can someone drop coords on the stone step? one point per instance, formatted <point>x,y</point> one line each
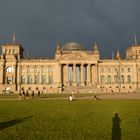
<point>82,89</point>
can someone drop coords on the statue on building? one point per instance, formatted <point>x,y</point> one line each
<point>95,48</point>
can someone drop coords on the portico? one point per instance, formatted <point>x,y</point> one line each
<point>77,74</point>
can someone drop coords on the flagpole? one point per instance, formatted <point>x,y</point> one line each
<point>119,76</point>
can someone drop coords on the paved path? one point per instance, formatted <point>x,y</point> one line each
<point>100,96</point>
<point>120,96</point>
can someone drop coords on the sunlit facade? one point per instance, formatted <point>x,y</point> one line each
<point>73,67</point>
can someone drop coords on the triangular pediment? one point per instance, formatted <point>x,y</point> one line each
<point>78,56</point>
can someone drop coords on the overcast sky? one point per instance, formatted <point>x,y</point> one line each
<point>39,24</point>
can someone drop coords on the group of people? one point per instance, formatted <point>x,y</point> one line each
<point>72,96</point>
<point>28,94</point>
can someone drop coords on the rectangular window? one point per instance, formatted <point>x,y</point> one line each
<point>45,68</point>
<point>23,69</point>
<point>30,69</point>
<point>102,78</point>
<point>23,79</point>
<point>102,70</point>
<point>109,79</point>
<point>37,69</point>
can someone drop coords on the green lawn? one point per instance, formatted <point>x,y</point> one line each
<point>64,120</point>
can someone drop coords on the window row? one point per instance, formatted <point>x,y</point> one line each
<point>37,79</point>
<point>37,69</point>
<point>9,69</point>
<point>137,51</point>
<point>115,79</point>
<point>10,51</point>
<point>116,70</point>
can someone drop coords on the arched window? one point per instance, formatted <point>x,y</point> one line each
<point>9,69</point>
<point>51,68</point>
<point>128,69</point>
<point>37,79</point>
<point>50,79</point>
<point>30,81</point>
<point>30,69</point>
<point>43,79</point>
<point>122,79</point>
<point>102,78</point>
<point>109,79</point>
<point>10,51</point>
<point>23,79</point>
<point>128,78</point>
<point>122,69</point>
<point>115,79</point>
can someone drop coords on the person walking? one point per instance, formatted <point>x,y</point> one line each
<point>27,95</point>
<point>38,92</point>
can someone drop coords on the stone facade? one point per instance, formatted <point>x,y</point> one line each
<point>72,68</point>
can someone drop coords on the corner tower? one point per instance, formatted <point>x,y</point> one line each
<point>12,50</point>
<point>10,59</point>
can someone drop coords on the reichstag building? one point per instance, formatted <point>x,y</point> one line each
<point>72,68</point>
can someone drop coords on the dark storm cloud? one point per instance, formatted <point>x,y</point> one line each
<point>39,24</point>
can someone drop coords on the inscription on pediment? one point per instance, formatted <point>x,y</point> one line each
<point>78,56</point>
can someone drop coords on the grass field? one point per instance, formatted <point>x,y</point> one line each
<point>64,120</point>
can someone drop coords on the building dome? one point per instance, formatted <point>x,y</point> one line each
<point>72,46</point>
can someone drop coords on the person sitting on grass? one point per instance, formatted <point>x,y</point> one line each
<point>96,98</point>
<point>70,98</point>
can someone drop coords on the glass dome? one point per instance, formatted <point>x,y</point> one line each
<point>72,46</point>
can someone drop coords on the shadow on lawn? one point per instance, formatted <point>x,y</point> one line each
<point>116,129</point>
<point>13,122</point>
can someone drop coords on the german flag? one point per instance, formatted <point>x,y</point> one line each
<point>119,57</point>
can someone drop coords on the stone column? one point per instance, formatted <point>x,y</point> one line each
<point>66,74</point>
<point>82,74</point>
<point>89,74</point>
<point>74,74</point>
